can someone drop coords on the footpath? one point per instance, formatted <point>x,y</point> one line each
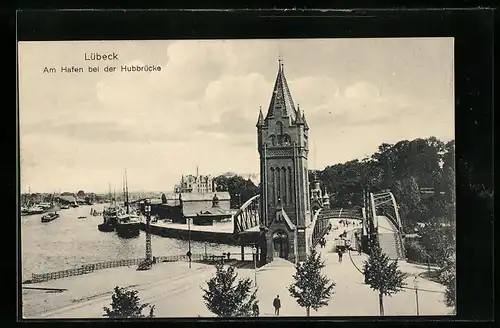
<point>351,296</point>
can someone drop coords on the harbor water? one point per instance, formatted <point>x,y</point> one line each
<point>70,242</point>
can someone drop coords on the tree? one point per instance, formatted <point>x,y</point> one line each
<point>238,188</point>
<point>447,277</point>
<point>311,289</point>
<point>383,275</point>
<point>438,240</point>
<point>125,304</point>
<point>225,298</point>
<point>81,194</point>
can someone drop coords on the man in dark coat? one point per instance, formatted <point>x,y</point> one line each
<point>277,305</point>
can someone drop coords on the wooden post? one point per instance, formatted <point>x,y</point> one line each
<point>242,252</point>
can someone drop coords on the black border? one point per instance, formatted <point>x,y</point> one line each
<point>473,33</point>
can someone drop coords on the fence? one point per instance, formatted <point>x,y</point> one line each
<point>89,268</point>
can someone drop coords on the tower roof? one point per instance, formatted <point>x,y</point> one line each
<point>282,96</point>
<point>306,126</point>
<point>260,121</point>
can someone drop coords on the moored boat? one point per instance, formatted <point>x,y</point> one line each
<point>35,210</point>
<point>49,217</point>
<point>110,214</point>
<point>128,226</point>
<point>128,223</point>
<point>45,206</point>
<point>104,227</point>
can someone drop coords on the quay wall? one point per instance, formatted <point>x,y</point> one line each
<point>89,268</point>
<point>196,235</point>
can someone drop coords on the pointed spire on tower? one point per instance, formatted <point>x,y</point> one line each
<point>281,97</point>
<point>300,118</point>
<point>306,126</point>
<point>260,121</point>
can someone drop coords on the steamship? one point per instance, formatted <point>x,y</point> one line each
<point>128,223</point>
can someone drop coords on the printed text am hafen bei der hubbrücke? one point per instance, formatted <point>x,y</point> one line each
<point>94,56</point>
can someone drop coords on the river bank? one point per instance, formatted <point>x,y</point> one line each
<point>69,242</point>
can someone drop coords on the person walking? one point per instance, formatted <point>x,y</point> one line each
<point>340,252</point>
<point>277,305</point>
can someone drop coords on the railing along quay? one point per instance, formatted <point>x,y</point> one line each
<point>89,268</point>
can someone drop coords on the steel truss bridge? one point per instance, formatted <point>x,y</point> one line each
<point>379,214</point>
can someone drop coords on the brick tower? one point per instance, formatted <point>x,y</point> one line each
<point>283,149</point>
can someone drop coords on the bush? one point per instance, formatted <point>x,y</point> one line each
<point>415,252</point>
<point>125,304</point>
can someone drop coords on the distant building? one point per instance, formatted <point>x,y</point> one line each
<point>196,184</point>
<point>215,213</point>
<point>430,192</point>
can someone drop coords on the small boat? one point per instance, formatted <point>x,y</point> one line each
<point>82,217</point>
<point>49,217</point>
<point>128,226</point>
<point>35,210</point>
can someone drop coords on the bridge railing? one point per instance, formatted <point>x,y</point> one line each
<point>385,202</point>
<point>89,268</point>
<point>319,228</point>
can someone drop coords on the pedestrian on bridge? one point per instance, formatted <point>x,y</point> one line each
<point>340,251</point>
<point>277,305</point>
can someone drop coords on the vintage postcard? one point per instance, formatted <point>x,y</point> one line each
<point>237,178</point>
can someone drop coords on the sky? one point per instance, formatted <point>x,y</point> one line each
<point>80,131</point>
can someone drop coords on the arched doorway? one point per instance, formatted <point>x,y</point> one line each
<point>280,243</point>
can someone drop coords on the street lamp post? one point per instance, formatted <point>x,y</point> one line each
<point>239,199</point>
<point>189,242</point>
<point>149,252</point>
<point>254,252</point>
<point>415,281</point>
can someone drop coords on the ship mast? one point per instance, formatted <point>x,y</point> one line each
<point>109,193</point>
<point>126,192</point>
<point>123,189</point>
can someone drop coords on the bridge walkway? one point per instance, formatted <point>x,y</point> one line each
<point>388,236</point>
<point>354,298</point>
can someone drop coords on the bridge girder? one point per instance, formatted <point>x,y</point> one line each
<point>247,216</point>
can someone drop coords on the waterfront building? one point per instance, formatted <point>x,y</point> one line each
<point>215,213</point>
<point>179,206</point>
